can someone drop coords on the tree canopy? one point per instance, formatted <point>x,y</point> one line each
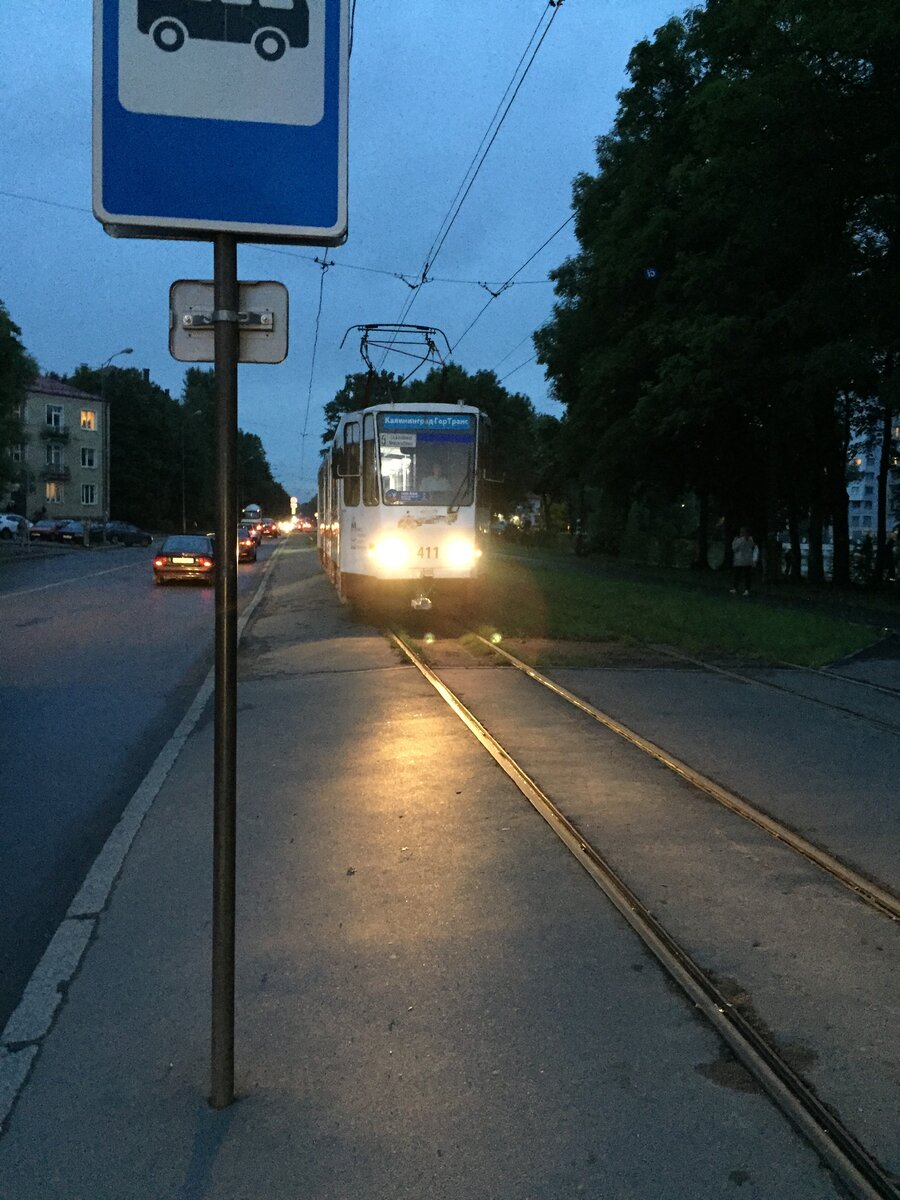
<point>733,310</point>
<point>17,370</point>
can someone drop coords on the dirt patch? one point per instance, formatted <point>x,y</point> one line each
<point>543,652</point>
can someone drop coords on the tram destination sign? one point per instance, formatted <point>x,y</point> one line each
<point>222,116</point>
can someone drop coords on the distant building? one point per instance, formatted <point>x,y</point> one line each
<point>862,488</point>
<point>62,460</point>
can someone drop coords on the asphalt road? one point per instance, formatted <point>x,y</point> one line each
<point>96,669</point>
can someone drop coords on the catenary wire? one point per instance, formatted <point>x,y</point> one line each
<point>509,282</point>
<point>518,368</point>
<point>510,353</point>
<point>312,366</point>
<point>431,249</point>
<point>440,239</point>
<point>288,253</point>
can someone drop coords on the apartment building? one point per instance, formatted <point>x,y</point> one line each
<point>862,488</point>
<point>63,459</point>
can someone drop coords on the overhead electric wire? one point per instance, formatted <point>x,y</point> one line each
<point>509,282</point>
<point>310,258</point>
<point>403,275</point>
<point>556,8</point>
<point>531,358</point>
<point>510,353</point>
<point>471,175</point>
<point>312,366</point>
<point>430,254</point>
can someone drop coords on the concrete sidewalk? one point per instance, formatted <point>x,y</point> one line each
<point>433,1000</point>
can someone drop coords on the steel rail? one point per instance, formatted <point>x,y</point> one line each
<point>867,890</point>
<point>858,1170</point>
<point>829,673</point>
<point>888,726</point>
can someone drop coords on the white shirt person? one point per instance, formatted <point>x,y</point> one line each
<point>434,481</point>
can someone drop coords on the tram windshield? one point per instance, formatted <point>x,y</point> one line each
<point>427,458</point>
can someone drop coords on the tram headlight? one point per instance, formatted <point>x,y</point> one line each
<point>461,554</point>
<point>391,553</point>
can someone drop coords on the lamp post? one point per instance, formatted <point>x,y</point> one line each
<point>185,413</point>
<point>106,434</point>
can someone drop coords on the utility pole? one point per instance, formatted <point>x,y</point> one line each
<point>107,427</point>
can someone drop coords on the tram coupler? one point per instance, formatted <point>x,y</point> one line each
<point>421,603</point>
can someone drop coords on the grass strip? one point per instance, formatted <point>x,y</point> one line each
<point>535,600</point>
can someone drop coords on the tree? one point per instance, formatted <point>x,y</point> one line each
<point>17,371</point>
<point>359,391</point>
<point>255,482</point>
<point>144,449</point>
<point>737,277</point>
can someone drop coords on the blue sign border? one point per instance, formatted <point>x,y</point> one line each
<point>163,176</point>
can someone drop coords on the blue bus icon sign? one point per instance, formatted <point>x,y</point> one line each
<point>222,116</point>
<point>269,26</point>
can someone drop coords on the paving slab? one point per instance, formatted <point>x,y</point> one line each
<point>433,1000</point>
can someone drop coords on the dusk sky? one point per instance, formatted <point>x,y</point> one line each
<point>425,80</point>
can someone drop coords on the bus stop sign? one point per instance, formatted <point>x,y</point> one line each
<point>222,116</point>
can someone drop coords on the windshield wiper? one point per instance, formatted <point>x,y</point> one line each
<point>454,504</point>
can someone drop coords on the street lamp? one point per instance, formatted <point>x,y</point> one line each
<point>106,432</point>
<point>185,413</point>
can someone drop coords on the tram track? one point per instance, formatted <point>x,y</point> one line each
<point>892,727</point>
<point>836,1144</point>
<point>867,890</point>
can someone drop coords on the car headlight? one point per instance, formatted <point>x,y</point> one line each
<point>391,553</point>
<point>460,554</point>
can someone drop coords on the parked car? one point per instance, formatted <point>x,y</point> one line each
<point>185,556</point>
<point>13,526</point>
<point>247,545</point>
<point>121,532</point>
<point>73,532</point>
<point>45,530</point>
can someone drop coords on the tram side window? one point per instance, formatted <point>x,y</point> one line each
<point>351,464</point>
<point>369,464</point>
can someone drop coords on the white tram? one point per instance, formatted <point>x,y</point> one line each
<point>403,504</point>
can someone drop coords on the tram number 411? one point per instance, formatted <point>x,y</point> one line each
<point>427,552</point>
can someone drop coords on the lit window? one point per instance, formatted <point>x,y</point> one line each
<point>89,493</point>
<point>87,456</point>
<point>88,419</point>
<point>53,492</point>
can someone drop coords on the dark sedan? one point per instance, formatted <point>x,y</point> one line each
<point>125,534</point>
<point>185,556</point>
<point>78,532</point>
<point>45,530</point>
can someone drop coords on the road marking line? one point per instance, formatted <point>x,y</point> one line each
<point>62,582</point>
<point>33,1017</point>
<point>14,1068</point>
<point>43,995</point>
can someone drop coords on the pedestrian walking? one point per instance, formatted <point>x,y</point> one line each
<point>743,555</point>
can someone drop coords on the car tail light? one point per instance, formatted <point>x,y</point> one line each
<point>159,562</point>
<point>206,563</point>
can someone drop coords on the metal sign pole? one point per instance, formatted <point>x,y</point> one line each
<point>225,317</point>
